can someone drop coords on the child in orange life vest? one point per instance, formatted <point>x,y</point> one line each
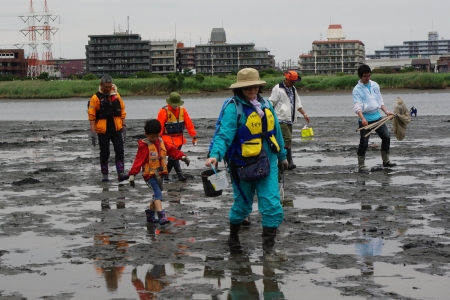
<point>150,157</point>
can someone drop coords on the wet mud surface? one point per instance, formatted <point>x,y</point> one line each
<point>383,235</point>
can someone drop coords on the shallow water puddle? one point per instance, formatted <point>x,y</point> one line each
<point>408,282</point>
<point>45,154</point>
<point>402,180</point>
<point>421,227</point>
<point>319,160</point>
<point>326,203</point>
<point>317,283</point>
<point>317,183</point>
<point>366,246</point>
<point>30,248</point>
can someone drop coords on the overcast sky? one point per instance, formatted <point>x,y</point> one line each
<point>286,28</point>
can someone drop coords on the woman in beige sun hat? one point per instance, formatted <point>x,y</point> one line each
<point>249,128</point>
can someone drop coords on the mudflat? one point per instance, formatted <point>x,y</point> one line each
<point>382,235</point>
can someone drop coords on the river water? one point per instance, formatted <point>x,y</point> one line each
<point>143,108</point>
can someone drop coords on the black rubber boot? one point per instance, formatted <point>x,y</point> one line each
<point>291,164</point>
<point>176,166</point>
<point>169,166</point>
<point>246,222</point>
<point>268,236</point>
<point>105,172</point>
<point>233,239</point>
<point>386,161</point>
<point>120,171</point>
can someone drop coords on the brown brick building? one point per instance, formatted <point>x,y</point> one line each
<point>13,62</point>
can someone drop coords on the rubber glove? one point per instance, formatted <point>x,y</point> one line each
<point>283,165</point>
<point>124,133</point>
<point>131,180</point>
<point>94,138</point>
<point>186,160</point>
<point>194,140</point>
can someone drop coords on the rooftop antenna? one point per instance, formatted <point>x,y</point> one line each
<point>128,24</point>
<point>114,22</point>
<point>175,31</point>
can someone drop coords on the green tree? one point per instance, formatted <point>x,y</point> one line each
<point>43,76</point>
<point>180,80</point>
<point>187,72</point>
<point>7,78</point>
<point>199,77</point>
<point>90,76</point>
<point>143,74</point>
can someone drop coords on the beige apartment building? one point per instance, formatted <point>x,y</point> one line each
<point>335,55</point>
<point>218,57</point>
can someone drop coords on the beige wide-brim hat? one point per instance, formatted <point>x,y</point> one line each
<point>247,77</point>
<point>174,99</point>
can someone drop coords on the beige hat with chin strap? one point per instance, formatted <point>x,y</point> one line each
<point>247,77</point>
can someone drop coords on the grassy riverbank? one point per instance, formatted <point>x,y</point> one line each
<point>36,89</point>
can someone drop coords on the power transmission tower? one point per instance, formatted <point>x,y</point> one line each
<point>36,66</point>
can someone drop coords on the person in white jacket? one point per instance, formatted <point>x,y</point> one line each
<point>287,104</point>
<point>367,101</point>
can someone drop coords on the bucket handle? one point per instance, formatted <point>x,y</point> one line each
<point>214,169</point>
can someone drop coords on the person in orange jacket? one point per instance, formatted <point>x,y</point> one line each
<point>174,118</point>
<point>151,159</point>
<point>106,112</point>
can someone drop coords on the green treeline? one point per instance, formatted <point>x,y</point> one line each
<point>38,89</point>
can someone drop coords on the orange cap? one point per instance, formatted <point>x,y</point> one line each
<point>292,76</point>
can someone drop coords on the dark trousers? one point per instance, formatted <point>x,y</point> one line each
<point>103,141</point>
<point>382,132</point>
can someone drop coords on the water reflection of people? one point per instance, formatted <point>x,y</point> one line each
<point>153,282</point>
<point>112,275</point>
<point>243,289</point>
<point>368,249</point>
<point>271,288</point>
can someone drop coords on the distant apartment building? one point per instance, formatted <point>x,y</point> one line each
<point>431,48</point>
<point>218,57</point>
<point>335,55</point>
<point>163,56</point>
<point>185,57</point>
<point>120,53</point>
<point>66,67</point>
<point>13,62</point>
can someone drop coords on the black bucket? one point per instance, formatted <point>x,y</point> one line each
<point>207,186</point>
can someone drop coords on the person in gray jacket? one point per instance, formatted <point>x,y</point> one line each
<point>287,104</point>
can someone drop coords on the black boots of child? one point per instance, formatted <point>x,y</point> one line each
<point>175,164</point>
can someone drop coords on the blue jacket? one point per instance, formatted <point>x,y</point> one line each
<point>227,130</point>
<point>368,100</point>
